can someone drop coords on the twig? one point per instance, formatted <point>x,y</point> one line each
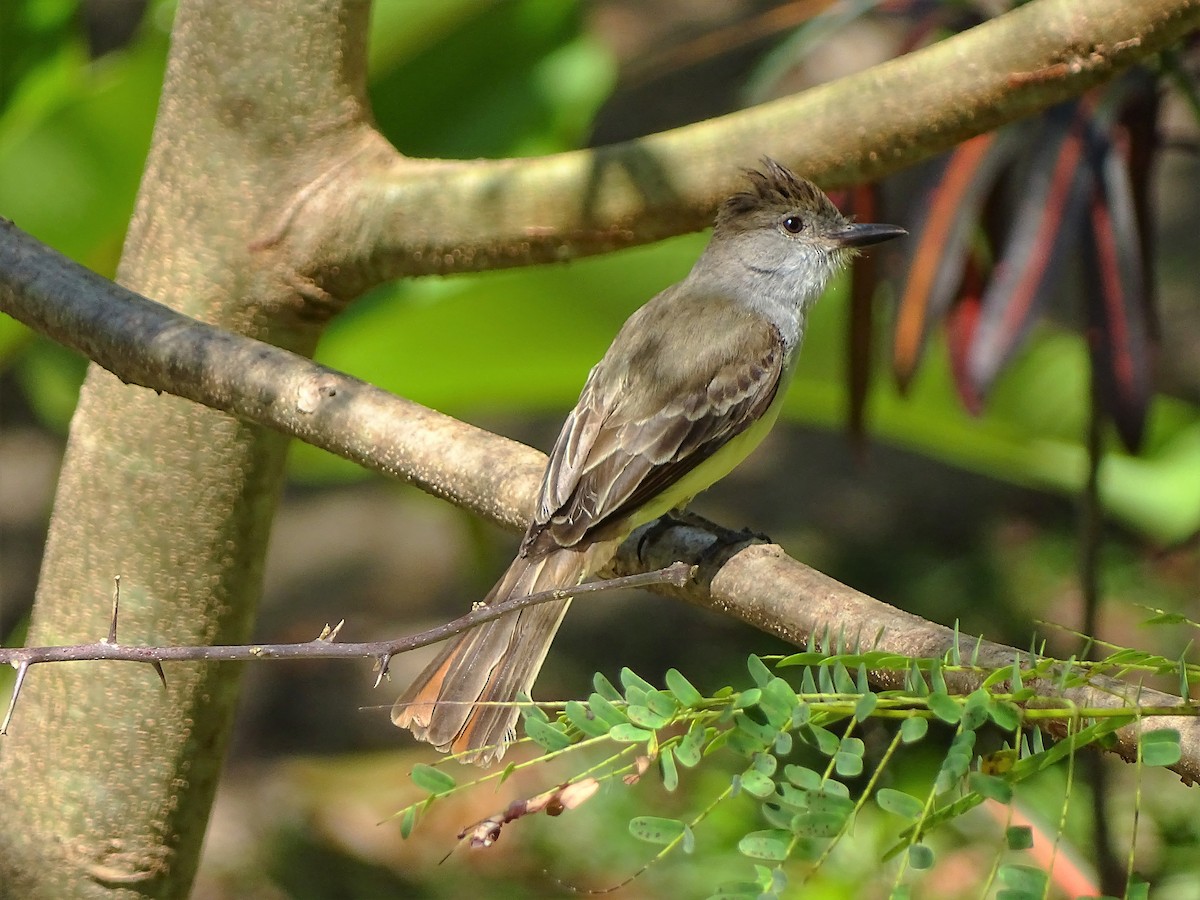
<point>323,646</point>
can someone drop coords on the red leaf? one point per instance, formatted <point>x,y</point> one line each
<point>939,257</point>
<point>1053,199</point>
<point>1117,326</point>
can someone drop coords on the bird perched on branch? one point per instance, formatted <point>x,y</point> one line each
<point>691,384</point>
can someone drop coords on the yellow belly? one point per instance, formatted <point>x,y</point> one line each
<point>712,469</point>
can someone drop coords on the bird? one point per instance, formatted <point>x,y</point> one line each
<point>691,383</point>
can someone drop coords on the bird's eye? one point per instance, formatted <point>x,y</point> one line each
<point>793,224</point>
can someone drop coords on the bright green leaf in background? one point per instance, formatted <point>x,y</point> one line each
<point>465,78</point>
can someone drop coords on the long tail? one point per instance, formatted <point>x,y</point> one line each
<point>464,701</point>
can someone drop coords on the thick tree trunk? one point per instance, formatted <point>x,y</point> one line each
<point>107,781</point>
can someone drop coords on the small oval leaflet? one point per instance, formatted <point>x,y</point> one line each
<point>670,774</point>
<point>656,830</point>
<point>912,730</point>
<point>757,784</point>
<point>1160,747</point>
<point>945,708</point>
<point>685,692</point>
<point>898,803</point>
<point>547,735</point>
<point>770,844</point>
<point>646,717</point>
<point>427,778</point>
<point>629,734</point>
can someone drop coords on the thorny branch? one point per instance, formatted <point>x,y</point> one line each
<point>324,646</point>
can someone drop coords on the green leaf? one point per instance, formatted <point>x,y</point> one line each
<point>408,821</point>
<point>605,711</point>
<point>629,734</point>
<point>913,729</point>
<point>791,798</point>
<point>530,710</point>
<point>817,825</point>
<point>647,718</point>
<point>747,698</point>
<point>899,803</point>
<point>663,703</point>
<point>801,714</point>
<point>656,830</point>
<point>635,696</point>
<point>842,680</point>
<point>865,706</point>
<point>1037,741</point>
<point>436,781</point>
<point>605,689</point>
<point>1160,747</point>
<point>920,856</point>
<point>854,746</point>
<point>765,763</point>
<point>770,844</point>
<point>744,743</point>
<point>975,710</point>
<point>777,816</point>
<point>670,774</point>
<point>631,679</point>
<point>821,738</point>
<point>991,787</point>
<point>825,681</point>
<point>944,708</point>
<point>1018,837</point>
<point>937,681</point>
<point>831,792</point>
<point>1006,715</point>
<point>757,784</point>
<point>758,670</point>
<point>685,692</point>
<point>689,749</point>
<point>778,702</point>
<point>847,765</point>
<point>861,682</point>
<point>801,659</point>
<point>829,799</point>
<point>1167,619</point>
<point>802,777</point>
<point>547,735</point>
<point>1025,879</point>
<point>737,890</point>
<point>764,734</point>
<point>579,716</point>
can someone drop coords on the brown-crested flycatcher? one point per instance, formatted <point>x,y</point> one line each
<point>692,383</point>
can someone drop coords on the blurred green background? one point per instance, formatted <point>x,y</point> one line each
<point>952,517</point>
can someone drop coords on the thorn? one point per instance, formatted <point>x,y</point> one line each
<point>12,704</point>
<point>328,634</point>
<point>382,664</point>
<point>112,625</point>
<point>162,676</point>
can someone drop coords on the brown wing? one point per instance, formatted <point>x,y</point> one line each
<point>644,420</point>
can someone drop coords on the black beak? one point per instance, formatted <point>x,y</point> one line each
<point>857,234</point>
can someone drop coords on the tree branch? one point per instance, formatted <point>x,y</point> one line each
<point>396,216</point>
<point>324,646</point>
<point>147,344</point>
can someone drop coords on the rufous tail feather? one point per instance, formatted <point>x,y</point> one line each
<point>494,662</point>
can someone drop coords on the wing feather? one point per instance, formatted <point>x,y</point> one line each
<point>644,422</point>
